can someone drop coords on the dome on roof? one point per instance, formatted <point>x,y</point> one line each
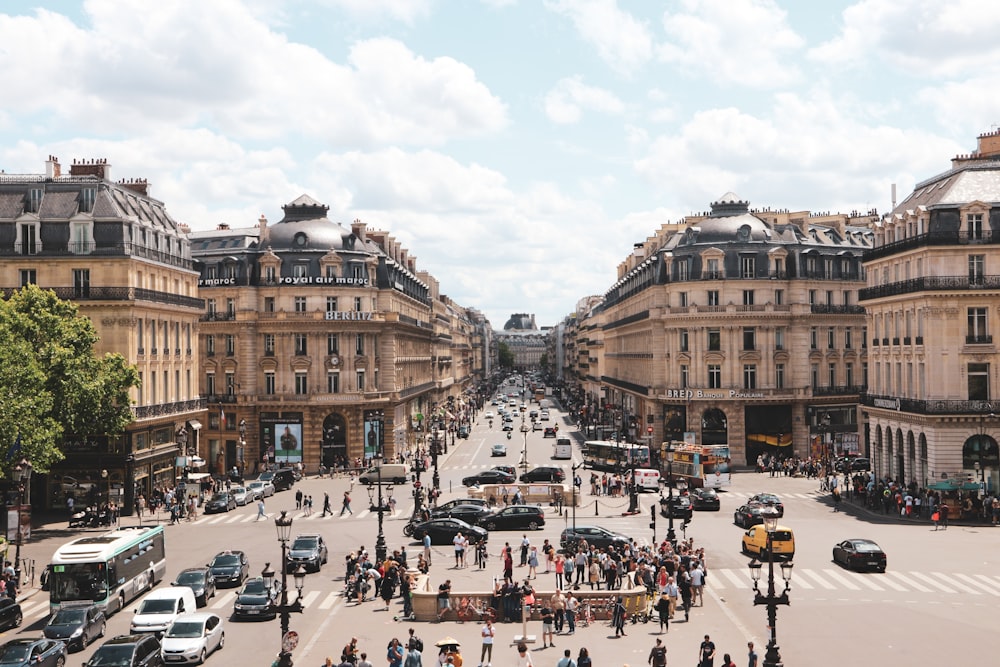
<point>306,227</point>
<point>729,221</point>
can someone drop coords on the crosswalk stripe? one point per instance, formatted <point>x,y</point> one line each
<point>994,580</point>
<point>363,513</point>
<point>983,577</point>
<point>234,519</point>
<point>932,582</point>
<point>802,583</point>
<point>843,581</point>
<point>224,600</point>
<point>864,580</point>
<point>35,608</point>
<point>957,584</point>
<point>309,598</point>
<point>329,601</point>
<point>819,580</point>
<point>966,578</point>
<point>909,582</point>
<point>887,581</point>
<point>738,582</point>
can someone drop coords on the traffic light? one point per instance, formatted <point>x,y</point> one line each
<point>652,515</point>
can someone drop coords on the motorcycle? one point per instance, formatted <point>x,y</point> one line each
<point>508,435</point>
<point>90,518</point>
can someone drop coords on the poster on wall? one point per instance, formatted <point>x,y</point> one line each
<point>281,437</point>
<point>373,438</point>
<point>288,449</point>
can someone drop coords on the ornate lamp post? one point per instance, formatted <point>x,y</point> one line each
<point>435,451</point>
<point>524,451</point>
<point>671,535</point>
<point>289,639</point>
<point>380,548</point>
<point>772,658</point>
<point>22,475</point>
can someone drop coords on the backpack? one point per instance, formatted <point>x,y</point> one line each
<point>417,643</point>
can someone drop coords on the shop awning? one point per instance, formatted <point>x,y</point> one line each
<point>953,485</point>
<point>194,423</point>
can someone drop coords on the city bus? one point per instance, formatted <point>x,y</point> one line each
<point>609,455</point>
<point>109,570</point>
<point>698,465</point>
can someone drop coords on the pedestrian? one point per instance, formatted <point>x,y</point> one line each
<point>394,654</point>
<point>140,505</point>
<point>427,548</point>
<point>488,632</point>
<point>618,617</point>
<point>413,658</point>
<point>706,653</point>
<point>260,510</point>
<point>533,563</point>
<point>558,603</point>
<point>751,655</point>
<point>658,654</point>
<point>459,543</point>
<point>583,658</point>
<point>298,499</point>
<point>727,661</point>
<point>523,656</point>
<point>525,545</point>
<point>943,511</point>
<point>70,501</point>
<point>364,661</point>
<point>697,584</point>
<point>548,620</point>
<point>662,608</point>
<point>326,504</point>
<point>346,504</point>
<point>572,605</point>
<point>566,660</point>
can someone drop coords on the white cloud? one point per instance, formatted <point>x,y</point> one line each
<point>622,41</point>
<point>570,97</point>
<point>406,11</point>
<point>744,42</point>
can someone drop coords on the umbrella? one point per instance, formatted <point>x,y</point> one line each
<point>448,641</point>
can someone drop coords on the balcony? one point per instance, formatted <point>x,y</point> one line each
<point>931,284</point>
<point>838,390</point>
<point>164,409</point>
<point>217,317</point>
<point>64,249</point>
<point>215,399</point>
<point>936,238</point>
<point>712,275</point>
<point>928,407</point>
<point>118,294</point>
<point>829,309</point>
<point>979,340</point>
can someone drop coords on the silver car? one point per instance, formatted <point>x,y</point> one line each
<point>262,489</point>
<point>242,495</point>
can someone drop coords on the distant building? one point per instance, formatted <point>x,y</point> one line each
<point>521,336</point>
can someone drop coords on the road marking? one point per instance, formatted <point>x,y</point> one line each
<point>819,580</point>
<point>984,578</point>
<point>836,576</point>
<point>973,582</point>
<point>887,581</point>
<point>329,600</point>
<point>956,584</point>
<point>224,600</point>
<point>862,579</point>
<point>909,582</point>
<point>932,582</point>
<point>309,598</point>
<point>738,582</point>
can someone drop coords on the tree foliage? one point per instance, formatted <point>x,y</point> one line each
<point>504,356</point>
<point>51,383</point>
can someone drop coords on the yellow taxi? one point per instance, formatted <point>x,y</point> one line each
<point>755,542</point>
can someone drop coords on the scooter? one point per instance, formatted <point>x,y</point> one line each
<point>508,435</point>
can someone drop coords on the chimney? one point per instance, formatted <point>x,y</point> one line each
<point>52,168</point>
<point>139,185</point>
<point>223,226</point>
<point>93,167</point>
<point>358,229</point>
<point>262,223</point>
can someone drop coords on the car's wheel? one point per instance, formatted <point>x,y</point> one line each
<point>104,628</point>
<point>18,619</point>
<point>222,642</point>
<point>202,657</point>
<point>491,525</point>
<point>533,525</point>
<point>60,661</point>
<point>408,530</point>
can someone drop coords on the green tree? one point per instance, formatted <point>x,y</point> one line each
<point>51,382</point>
<point>504,356</point>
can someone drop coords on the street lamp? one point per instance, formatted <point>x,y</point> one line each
<point>22,475</point>
<point>435,451</point>
<point>289,639</point>
<point>524,451</point>
<point>671,535</point>
<point>380,550</point>
<point>772,658</point>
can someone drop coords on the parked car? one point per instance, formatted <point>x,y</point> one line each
<point>444,507</point>
<point>861,464</point>
<point>130,650</point>
<point>10,613</point>
<point>308,550</point>
<point>230,567</point>
<point>860,554</point>
<point>769,500</point>
<point>470,514</point>
<point>488,477</point>
<point>705,499</point>
<point>192,638</point>
<point>443,531</point>
<point>755,542</point>
<point>76,624</point>
<point>498,449</point>
<point>515,517</point>
<point>681,507</point>
<point>220,502</point>
<point>241,495</point>
<point>262,488</point>
<point>510,470</point>
<point>256,600</point>
<point>544,474</point>
<point>200,580</point>
<point>33,653</point>
<point>595,536</point>
<point>463,431</point>
<point>748,515</point>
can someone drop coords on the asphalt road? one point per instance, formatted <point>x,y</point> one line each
<point>936,604</point>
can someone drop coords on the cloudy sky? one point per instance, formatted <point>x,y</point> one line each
<point>517,148</point>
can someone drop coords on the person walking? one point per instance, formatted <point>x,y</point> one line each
<point>583,658</point>
<point>260,510</point>
<point>413,657</point>
<point>751,655</point>
<point>488,632</point>
<point>523,656</point>
<point>662,608</point>
<point>618,617</point>
<point>727,661</point>
<point>706,653</point>
<point>658,654</point>
<point>525,545</point>
<point>298,499</point>
<point>566,660</point>
<point>394,654</point>
<point>572,605</point>
<point>427,548</point>
<point>346,504</point>
<point>326,504</point>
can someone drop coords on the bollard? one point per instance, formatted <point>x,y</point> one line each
<point>595,509</point>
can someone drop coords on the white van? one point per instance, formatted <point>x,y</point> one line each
<point>563,449</point>
<point>159,609</point>
<point>647,479</point>
<point>392,473</point>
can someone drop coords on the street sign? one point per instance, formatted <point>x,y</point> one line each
<point>289,641</point>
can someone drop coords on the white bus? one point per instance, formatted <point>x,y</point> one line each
<point>109,570</point>
<point>563,448</point>
<point>609,455</point>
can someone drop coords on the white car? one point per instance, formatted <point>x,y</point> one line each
<point>192,638</point>
<point>489,414</point>
<point>263,489</point>
<point>242,495</point>
<point>499,449</point>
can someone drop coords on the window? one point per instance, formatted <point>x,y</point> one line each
<point>813,334</point>
<point>975,224</point>
<point>300,344</point>
<point>714,376</point>
<point>140,335</point>
<point>333,382</point>
<point>269,383</point>
<point>812,297</point>
<point>81,286</point>
<point>269,345</point>
<point>977,269</point>
<point>359,344</point>
<point>231,307</point>
<point>300,304</point>
<point>79,237</point>
<point>749,376</point>
<point>684,340</point>
<point>268,304</point>
<point>848,339</point>
<point>779,267</point>
<point>87,198</point>
<point>864,375</point>
<point>684,376</point>
<point>814,376</point>
<point>779,297</point>
<point>713,297</point>
<point>979,382</point>
<point>357,304</point>
<point>211,308</point>
<point>779,338</point>
<point>847,297</point>
<point>270,277</point>
<point>34,199</point>
<point>714,340</point>
<point>230,383</point>
<point>28,277</point>
<point>864,337</point>
<point>977,326</point>
<point>301,387</point>
<point>358,271</point>
<point>331,271</point>
<point>333,344</point>
<point>331,304</point>
<point>684,299</point>
<point>300,270</point>
<point>779,376</point>
<point>829,297</point>
<point>713,269</point>
<point>748,297</point>
<point>209,343</point>
<point>830,338</point>
<point>831,375</point>
<point>849,374</point>
<point>361,380</point>
<point>748,266</point>
<point>230,345</point>
<point>210,384</point>
<point>749,338</point>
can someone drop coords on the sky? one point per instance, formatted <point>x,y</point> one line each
<point>517,148</point>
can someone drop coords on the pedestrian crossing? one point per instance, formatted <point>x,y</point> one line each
<point>297,515</point>
<point>832,579</point>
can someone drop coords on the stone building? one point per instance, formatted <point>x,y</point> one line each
<point>112,249</point>
<point>932,302</point>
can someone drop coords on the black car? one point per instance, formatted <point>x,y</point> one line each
<point>861,464</point>
<point>488,477</point>
<point>768,500</point>
<point>33,653</point>
<point>256,600</point>
<point>444,507</point>
<point>705,499</point>
<point>309,551</point>
<point>860,554</point>
<point>681,507</point>
<point>508,426</point>
<point>220,502</point>
<point>10,613</point>
<point>230,567</point>
<point>748,515</point>
<point>544,474</point>
<point>443,531</point>
<point>470,514</point>
<point>76,624</point>
<point>200,580</point>
<point>514,517</point>
<point>595,536</point>
<point>549,432</point>
<point>131,650</point>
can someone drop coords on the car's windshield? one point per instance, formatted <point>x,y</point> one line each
<point>190,578</point>
<point>13,653</point>
<point>220,496</point>
<point>238,490</point>
<point>112,656</point>
<point>305,543</point>
<point>162,606</point>
<point>866,546</point>
<point>254,588</point>
<point>227,560</point>
<point>185,629</point>
<point>68,616</point>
